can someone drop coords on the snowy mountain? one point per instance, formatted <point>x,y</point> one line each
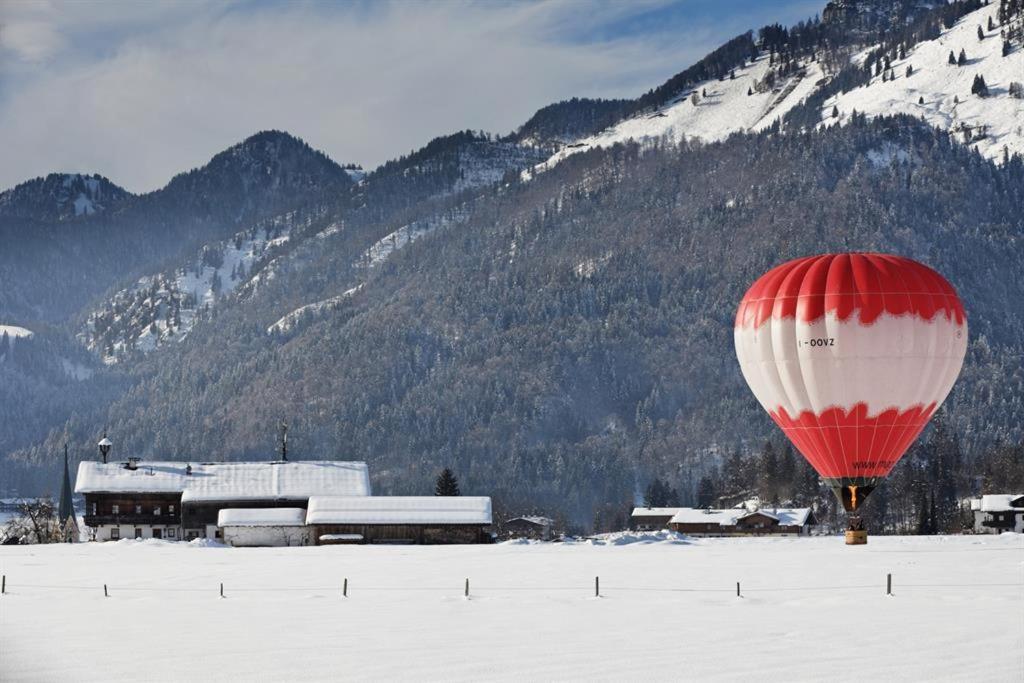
<point>62,197</point>
<point>762,90</point>
<point>922,82</point>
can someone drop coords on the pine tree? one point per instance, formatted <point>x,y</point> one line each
<point>5,345</point>
<point>991,24</point>
<point>910,70</point>
<point>732,74</point>
<point>981,33</point>
<point>659,494</point>
<point>978,87</point>
<point>1006,47</point>
<point>920,100</point>
<point>706,492</point>
<point>447,484</point>
<point>952,58</point>
<point>750,91</point>
<point>835,111</point>
<point>962,59</point>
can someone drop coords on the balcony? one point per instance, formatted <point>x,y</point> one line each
<point>132,519</point>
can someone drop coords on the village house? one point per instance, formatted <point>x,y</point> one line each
<point>996,513</point>
<point>744,520</point>
<point>651,519</point>
<point>532,527</point>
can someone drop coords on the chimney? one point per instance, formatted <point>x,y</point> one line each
<point>104,445</point>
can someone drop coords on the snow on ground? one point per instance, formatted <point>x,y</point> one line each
<point>938,82</point>
<point>812,609</point>
<point>726,109</point>
<point>15,332</point>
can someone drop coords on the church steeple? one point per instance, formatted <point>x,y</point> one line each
<point>66,508</point>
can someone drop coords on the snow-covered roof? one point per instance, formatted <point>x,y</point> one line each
<point>534,519</point>
<point>228,480</point>
<point>655,512</point>
<point>399,510</point>
<point>785,516</point>
<point>261,517</point>
<point>1001,502</point>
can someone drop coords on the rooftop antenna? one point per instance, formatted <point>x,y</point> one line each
<point>284,441</point>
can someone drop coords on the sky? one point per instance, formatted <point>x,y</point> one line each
<point>139,92</point>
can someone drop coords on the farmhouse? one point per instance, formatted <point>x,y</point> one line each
<point>399,519</point>
<point>744,520</point>
<point>994,514</point>
<point>177,500</point>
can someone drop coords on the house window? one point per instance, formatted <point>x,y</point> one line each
<point>156,511</point>
<point>218,534</point>
<point>170,533</point>
<point>94,508</point>
<point>115,533</point>
<point>138,509</point>
<point>115,509</point>
<point>170,509</point>
<point>138,532</point>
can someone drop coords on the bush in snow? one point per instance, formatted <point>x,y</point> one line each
<point>1017,90</point>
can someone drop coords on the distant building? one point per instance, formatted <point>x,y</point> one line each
<point>177,500</point>
<point>652,519</point>
<point>534,527</point>
<point>994,514</point>
<point>743,520</point>
<point>427,520</point>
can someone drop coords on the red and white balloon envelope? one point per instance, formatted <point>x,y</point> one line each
<point>851,354</point>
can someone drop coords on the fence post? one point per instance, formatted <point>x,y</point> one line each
<point>222,590</point>
<point>738,590</point>
<point>105,593</point>
<point>3,585</point>
<point>597,586</point>
<point>344,589</point>
<point>467,588</point>
<point>888,584</point>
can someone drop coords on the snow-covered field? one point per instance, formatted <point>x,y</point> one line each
<point>812,609</point>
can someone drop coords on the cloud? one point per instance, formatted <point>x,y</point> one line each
<point>141,91</point>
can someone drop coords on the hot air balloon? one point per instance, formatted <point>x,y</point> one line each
<point>851,354</point>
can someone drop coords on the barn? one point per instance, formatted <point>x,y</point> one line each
<point>400,519</point>
<point>255,527</point>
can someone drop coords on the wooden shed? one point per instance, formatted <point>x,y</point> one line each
<point>401,519</point>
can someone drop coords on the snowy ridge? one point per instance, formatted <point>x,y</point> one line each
<point>713,110</point>
<point>990,123</point>
<point>726,109</point>
<point>288,322</point>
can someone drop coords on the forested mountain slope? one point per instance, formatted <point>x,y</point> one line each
<point>570,337</point>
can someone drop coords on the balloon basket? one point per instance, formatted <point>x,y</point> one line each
<point>856,537</point>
